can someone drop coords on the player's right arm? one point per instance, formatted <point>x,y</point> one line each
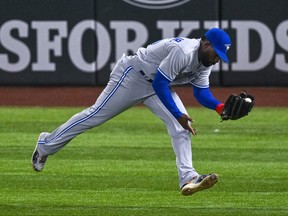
<point>161,88</point>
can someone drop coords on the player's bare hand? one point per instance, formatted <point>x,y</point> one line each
<point>185,120</point>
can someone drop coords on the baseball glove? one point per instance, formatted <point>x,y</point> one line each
<point>237,106</point>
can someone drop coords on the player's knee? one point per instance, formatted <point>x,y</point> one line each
<point>179,134</point>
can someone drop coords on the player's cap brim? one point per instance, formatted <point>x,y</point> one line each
<point>222,55</point>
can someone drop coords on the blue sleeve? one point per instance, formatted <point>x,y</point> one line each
<point>205,97</point>
<point>161,88</point>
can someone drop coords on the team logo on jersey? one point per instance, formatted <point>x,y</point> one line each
<point>227,47</point>
<point>156,4</point>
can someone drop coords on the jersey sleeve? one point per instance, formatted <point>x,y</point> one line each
<point>206,99</point>
<point>161,87</point>
<point>174,62</point>
<point>202,81</point>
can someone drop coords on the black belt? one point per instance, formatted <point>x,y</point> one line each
<point>144,75</point>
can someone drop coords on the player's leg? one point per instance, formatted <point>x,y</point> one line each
<point>189,180</point>
<point>181,138</point>
<point>123,91</point>
<point>110,103</point>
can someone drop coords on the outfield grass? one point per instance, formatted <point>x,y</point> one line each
<point>127,166</point>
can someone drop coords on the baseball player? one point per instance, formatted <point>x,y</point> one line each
<point>147,77</point>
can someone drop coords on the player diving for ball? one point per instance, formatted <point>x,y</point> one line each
<point>147,77</point>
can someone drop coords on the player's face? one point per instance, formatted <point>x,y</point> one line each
<point>207,55</point>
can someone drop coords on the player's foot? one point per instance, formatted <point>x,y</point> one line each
<point>200,183</point>
<point>38,161</point>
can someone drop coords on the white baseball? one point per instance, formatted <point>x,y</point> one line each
<point>248,100</point>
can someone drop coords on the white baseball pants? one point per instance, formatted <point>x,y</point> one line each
<point>126,88</point>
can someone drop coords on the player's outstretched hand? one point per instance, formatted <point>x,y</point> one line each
<point>185,120</point>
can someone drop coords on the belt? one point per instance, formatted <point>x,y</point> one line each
<point>144,75</point>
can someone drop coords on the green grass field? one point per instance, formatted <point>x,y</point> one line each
<point>127,166</point>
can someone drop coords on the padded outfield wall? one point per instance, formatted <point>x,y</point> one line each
<point>77,42</point>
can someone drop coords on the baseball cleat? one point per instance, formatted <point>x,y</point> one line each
<point>199,183</point>
<point>38,161</point>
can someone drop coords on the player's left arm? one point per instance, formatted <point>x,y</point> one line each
<point>235,107</point>
<point>206,99</point>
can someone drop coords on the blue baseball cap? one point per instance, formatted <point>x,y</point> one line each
<point>220,41</point>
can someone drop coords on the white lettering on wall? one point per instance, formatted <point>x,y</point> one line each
<point>103,46</point>
<point>123,45</point>
<point>14,45</point>
<point>16,55</point>
<point>282,39</point>
<point>45,44</point>
<point>169,28</point>
<point>243,45</point>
